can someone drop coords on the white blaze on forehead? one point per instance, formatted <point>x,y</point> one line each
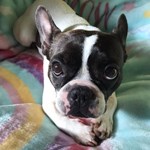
<point>87,49</point>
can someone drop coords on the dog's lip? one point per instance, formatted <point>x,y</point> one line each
<point>83,115</point>
<point>89,116</point>
<point>82,120</point>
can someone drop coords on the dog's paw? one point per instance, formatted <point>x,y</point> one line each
<point>86,136</point>
<point>103,127</point>
<point>82,132</point>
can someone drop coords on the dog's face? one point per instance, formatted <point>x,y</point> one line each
<point>85,66</point>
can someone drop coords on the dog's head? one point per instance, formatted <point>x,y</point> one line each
<point>85,66</point>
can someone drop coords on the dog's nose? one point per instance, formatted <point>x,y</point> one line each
<point>81,96</point>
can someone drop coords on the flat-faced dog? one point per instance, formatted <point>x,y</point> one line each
<point>82,68</point>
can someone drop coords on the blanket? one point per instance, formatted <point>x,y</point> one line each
<point>23,124</point>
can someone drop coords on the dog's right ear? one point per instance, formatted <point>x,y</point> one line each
<point>46,28</point>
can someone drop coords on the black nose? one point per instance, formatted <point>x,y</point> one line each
<point>81,96</point>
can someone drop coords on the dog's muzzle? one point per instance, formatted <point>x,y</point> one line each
<point>81,99</point>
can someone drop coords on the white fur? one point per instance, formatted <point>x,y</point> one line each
<point>86,27</point>
<point>87,48</point>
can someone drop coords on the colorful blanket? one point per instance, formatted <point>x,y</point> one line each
<point>24,126</point>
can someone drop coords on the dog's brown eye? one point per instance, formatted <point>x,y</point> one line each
<point>111,72</point>
<point>57,69</point>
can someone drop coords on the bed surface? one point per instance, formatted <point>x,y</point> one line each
<point>23,125</point>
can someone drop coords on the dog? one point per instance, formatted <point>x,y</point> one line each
<point>82,68</point>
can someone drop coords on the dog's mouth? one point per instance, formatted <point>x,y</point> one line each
<point>85,115</point>
<point>81,113</point>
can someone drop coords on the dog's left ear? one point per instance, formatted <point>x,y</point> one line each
<point>122,29</point>
<point>46,28</point>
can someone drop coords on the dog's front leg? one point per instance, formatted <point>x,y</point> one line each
<point>104,123</point>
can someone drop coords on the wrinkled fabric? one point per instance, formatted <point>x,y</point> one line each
<point>24,125</point>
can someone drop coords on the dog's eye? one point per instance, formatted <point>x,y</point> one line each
<point>57,69</point>
<point>111,72</point>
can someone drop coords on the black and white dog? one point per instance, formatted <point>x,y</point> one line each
<point>82,68</point>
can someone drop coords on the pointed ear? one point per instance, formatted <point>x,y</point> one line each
<point>122,29</point>
<point>46,28</point>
